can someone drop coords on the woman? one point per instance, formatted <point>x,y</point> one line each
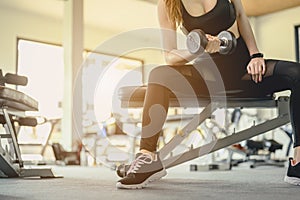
<point>267,76</point>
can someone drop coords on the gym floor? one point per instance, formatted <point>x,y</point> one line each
<point>99,183</point>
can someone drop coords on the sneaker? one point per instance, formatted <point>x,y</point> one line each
<point>293,173</point>
<point>142,171</point>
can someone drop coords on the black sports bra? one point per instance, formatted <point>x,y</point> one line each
<point>220,18</point>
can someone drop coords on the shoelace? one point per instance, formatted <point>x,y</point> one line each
<point>138,162</point>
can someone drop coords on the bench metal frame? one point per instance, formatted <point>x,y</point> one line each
<point>170,160</point>
<point>11,163</point>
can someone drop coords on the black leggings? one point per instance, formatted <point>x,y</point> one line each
<point>187,79</point>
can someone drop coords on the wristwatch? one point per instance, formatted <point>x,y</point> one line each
<point>257,55</point>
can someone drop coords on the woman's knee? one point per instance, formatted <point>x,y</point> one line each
<point>162,74</point>
<point>289,69</point>
<point>157,72</point>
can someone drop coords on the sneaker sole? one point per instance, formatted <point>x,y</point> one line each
<point>152,178</point>
<point>292,180</point>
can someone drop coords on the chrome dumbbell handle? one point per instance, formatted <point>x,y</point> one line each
<point>196,42</point>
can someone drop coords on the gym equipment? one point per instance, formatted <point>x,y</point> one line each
<point>22,121</point>
<point>196,42</point>
<point>271,146</point>
<point>13,105</point>
<point>133,97</point>
<point>66,157</point>
<point>13,79</point>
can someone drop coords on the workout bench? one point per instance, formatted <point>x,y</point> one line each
<point>133,97</point>
<point>13,105</point>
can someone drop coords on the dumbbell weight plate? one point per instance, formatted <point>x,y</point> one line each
<point>228,42</point>
<point>195,42</point>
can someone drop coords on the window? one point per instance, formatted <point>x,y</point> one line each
<point>103,75</point>
<point>43,64</point>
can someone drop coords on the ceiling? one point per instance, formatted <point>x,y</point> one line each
<point>262,7</point>
<point>114,15</point>
<point>122,15</point>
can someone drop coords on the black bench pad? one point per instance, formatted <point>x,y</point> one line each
<point>133,96</point>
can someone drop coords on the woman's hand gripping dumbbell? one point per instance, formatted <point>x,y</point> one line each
<point>197,41</point>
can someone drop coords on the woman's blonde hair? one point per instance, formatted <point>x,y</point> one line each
<point>174,11</point>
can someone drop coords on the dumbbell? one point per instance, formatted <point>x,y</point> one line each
<point>196,42</point>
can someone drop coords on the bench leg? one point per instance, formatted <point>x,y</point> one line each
<point>282,119</point>
<point>12,165</point>
<point>11,131</point>
<point>227,141</point>
<point>195,122</point>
